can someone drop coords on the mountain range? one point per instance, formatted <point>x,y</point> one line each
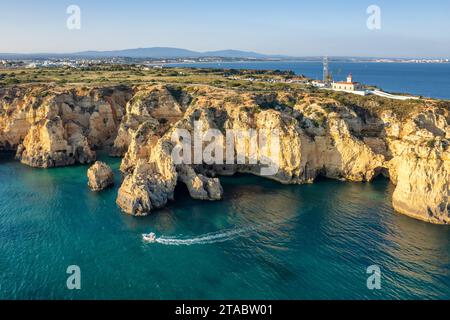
<point>153,52</point>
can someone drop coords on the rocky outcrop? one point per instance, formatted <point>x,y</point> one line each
<point>317,136</point>
<point>420,167</point>
<point>142,142</point>
<point>151,184</point>
<point>51,127</point>
<point>48,144</point>
<point>100,176</point>
<point>333,153</point>
<point>199,186</point>
<point>157,105</point>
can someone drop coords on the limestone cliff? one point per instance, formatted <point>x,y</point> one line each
<point>50,144</point>
<point>421,166</point>
<point>333,152</point>
<point>52,127</point>
<point>100,176</point>
<point>318,136</point>
<point>154,104</point>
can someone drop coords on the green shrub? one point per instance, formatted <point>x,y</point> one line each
<point>11,81</point>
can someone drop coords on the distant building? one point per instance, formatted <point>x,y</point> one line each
<point>319,84</point>
<point>349,85</point>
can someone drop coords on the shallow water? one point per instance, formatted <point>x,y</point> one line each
<point>263,241</point>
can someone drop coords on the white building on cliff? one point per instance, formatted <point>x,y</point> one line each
<point>349,85</point>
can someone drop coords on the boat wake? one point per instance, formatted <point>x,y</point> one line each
<point>209,238</point>
<point>222,235</point>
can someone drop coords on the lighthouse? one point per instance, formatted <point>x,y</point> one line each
<point>349,85</point>
<point>350,78</point>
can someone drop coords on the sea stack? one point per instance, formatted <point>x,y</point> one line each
<point>100,176</point>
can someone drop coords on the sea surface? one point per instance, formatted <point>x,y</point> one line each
<point>263,241</point>
<point>420,79</point>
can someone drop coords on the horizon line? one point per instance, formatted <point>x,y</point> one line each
<point>269,55</point>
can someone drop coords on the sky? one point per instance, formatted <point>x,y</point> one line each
<point>413,28</point>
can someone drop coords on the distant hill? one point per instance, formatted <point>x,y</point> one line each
<point>165,52</point>
<point>240,54</point>
<point>154,52</point>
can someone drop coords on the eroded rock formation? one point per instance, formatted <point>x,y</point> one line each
<point>51,127</point>
<point>160,105</point>
<point>50,144</point>
<point>420,166</point>
<point>318,136</point>
<point>100,176</point>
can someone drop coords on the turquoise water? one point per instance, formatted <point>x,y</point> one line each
<point>264,241</point>
<point>429,80</point>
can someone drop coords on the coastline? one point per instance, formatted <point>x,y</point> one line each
<point>325,135</point>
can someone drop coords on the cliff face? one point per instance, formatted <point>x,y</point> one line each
<point>49,143</point>
<point>157,105</point>
<point>100,176</point>
<point>317,137</point>
<point>51,127</point>
<point>421,166</point>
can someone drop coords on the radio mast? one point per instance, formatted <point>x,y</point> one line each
<point>326,71</point>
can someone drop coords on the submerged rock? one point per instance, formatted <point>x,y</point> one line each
<point>100,176</point>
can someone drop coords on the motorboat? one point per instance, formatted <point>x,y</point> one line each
<point>150,238</point>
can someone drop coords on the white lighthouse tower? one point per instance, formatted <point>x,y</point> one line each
<point>350,78</point>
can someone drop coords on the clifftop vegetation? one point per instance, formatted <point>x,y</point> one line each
<point>251,81</point>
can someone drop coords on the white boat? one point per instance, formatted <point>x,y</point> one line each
<point>150,238</point>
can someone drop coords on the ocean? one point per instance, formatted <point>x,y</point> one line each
<point>263,241</point>
<point>420,79</point>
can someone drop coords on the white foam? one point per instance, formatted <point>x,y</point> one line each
<point>219,236</point>
<point>208,238</point>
